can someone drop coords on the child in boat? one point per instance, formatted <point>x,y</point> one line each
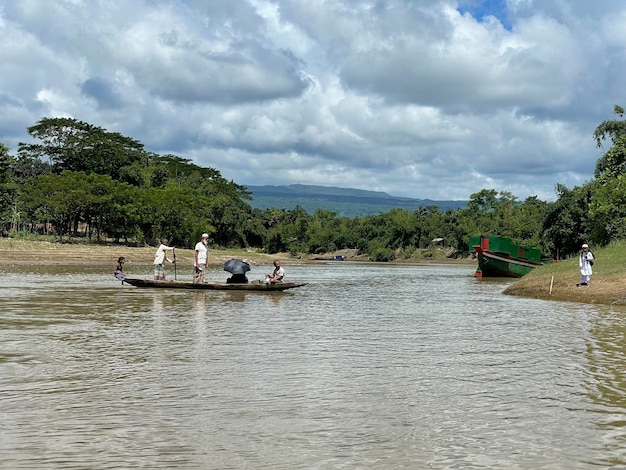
<point>119,268</point>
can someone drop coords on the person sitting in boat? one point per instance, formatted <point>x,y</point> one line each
<point>237,279</point>
<point>119,268</point>
<point>278,275</point>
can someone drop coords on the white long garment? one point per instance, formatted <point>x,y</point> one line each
<point>160,255</point>
<point>585,265</point>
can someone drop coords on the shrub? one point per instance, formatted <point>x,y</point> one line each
<point>382,254</point>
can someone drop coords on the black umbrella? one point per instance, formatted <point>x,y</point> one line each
<point>236,266</point>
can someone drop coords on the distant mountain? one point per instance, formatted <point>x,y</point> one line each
<point>344,201</point>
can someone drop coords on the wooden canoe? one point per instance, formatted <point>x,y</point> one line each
<point>257,286</point>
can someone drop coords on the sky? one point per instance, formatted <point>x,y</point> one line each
<point>425,99</point>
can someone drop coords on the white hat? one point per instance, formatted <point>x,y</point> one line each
<point>585,245</point>
<point>205,235</point>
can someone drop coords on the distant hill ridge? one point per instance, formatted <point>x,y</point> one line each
<point>346,202</point>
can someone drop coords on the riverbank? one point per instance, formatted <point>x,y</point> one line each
<point>557,281</point>
<point>22,251</point>
<point>34,251</point>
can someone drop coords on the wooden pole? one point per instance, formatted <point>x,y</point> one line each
<point>174,253</point>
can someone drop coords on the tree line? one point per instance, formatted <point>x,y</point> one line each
<point>79,180</point>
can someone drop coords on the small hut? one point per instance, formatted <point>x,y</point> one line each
<point>437,243</point>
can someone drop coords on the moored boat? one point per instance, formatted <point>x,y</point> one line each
<point>256,286</point>
<point>330,258</point>
<point>501,257</point>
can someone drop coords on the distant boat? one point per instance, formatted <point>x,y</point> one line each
<point>257,286</point>
<point>330,258</point>
<point>501,257</point>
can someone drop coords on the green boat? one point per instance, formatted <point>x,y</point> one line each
<point>501,257</point>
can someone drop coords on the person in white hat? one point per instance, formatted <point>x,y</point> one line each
<point>585,263</point>
<point>201,258</point>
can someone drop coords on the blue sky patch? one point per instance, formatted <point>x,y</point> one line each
<point>480,9</point>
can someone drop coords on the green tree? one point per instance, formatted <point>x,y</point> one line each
<point>8,188</point>
<point>432,223</point>
<point>504,213</point>
<point>286,230</point>
<point>69,200</point>
<point>60,199</point>
<point>456,231</point>
<point>611,129</point>
<point>607,207</point>
<point>608,210</point>
<point>568,222</point>
<point>478,217</point>
<point>613,162</point>
<point>404,229</point>
<point>72,145</point>
<point>528,220</point>
<point>123,220</point>
<point>26,167</point>
<point>320,236</point>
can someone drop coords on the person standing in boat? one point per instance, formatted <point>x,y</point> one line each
<point>160,257</point>
<point>119,268</point>
<point>201,258</point>
<point>585,262</point>
<point>278,275</point>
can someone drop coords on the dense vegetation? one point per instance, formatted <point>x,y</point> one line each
<point>80,180</point>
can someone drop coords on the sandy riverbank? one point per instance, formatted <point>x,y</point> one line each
<point>48,253</point>
<point>21,251</point>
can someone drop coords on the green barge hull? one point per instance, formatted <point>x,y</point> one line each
<point>501,257</point>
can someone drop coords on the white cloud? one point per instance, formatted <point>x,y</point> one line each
<point>410,97</point>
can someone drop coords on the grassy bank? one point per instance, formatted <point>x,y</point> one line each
<point>557,281</point>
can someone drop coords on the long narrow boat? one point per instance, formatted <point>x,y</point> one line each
<point>329,258</point>
<point>501,257</point>
<point>257,286</point>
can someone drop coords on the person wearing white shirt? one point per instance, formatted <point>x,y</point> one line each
<point>160,257</point>
<point>277,275</point>
<point>201,258</point>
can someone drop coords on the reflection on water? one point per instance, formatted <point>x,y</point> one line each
<point>605,380</point>
<point>368,366</point>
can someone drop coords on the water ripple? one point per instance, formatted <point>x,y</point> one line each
<point>369,366</point>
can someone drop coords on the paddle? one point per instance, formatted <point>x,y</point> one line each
<point>174,252</point>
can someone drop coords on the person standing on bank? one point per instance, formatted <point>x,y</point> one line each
<point>585,262</point>
<point>160,257</point>
<point>201,258</point>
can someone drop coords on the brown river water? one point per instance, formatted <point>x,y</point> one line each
<point>367,367</point>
